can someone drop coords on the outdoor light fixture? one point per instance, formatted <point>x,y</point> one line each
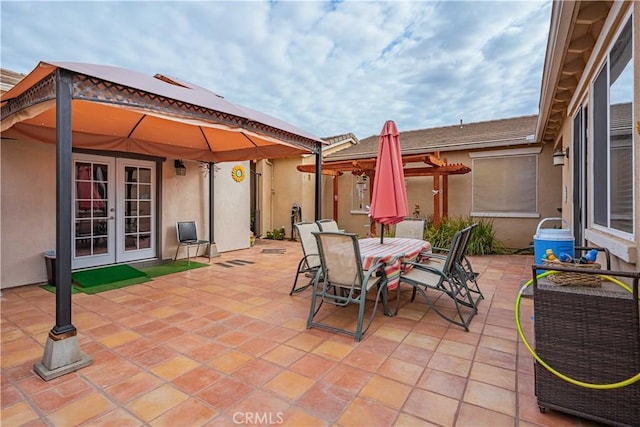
<point>559,155</point>
<point>181,169</point>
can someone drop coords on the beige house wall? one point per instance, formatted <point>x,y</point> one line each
<point>28,209</point>
<point>515,233</point>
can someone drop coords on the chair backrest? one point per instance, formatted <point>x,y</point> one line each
<point>455,253</point>
<point>465,242</point>
<point>186,231</point>
<point>327,225</point>
<point>411,228</point>
<point>340,259</point>
<point>308,241</point>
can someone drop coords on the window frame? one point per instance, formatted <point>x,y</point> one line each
<point>506,154</point>
<point>596,186</point>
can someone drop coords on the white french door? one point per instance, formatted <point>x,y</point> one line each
<point>113,210</point>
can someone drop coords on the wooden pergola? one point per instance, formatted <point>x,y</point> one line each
<point>434,166</point>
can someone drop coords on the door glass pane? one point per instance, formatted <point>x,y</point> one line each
<point>138,204</point>
<point>90,208</point>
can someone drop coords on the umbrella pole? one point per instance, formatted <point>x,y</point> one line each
<point>381,233</point>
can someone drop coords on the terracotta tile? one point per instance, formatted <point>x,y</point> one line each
<point>304,342</point>
<point>229,361</point>
<point>153,357</point>
<point>17,415</point>
<point>496,358</point>
<point>206,352</point>
<point>10,396</point>
<point>112,373</point>
<point>406,420</point>
<point>391,333</point>
<point>333,350</point>
<point>412,354</point>
<point>326,400</point>
<point>117,417</point>
<point>458,349</point>
<point>136,346</point>
<point>378,345</point>
<point>499,344</point>
<point>174,367</point>
<point>443,383</point>
<point>312,366</point>
<point>348,378</point>
<point>133,387</point>
<point>191,412</point>
<point>224,393</point>
<point>60,395</point>
<point>197,379</point>
<point>289,385</point>
<point>260,407</point>
<point>234,338</point>
<point>81,410</point>
<point>432,407</point>
<point>399,370</point>
<point>389,392</point>
<point>364,359</point>
<point>451,364</point>
<point>491,397</point>
<point>283,355</point>
<point>425,342</point>
<point>364,412</point>
<point>257,346</point>
<point>156,402</point>
<point>500,377</point>
<point>296,417</point>
<point>257,372</point>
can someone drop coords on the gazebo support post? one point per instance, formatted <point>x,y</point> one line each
<point>436,199</point>
<point>318,201</point>
<point>62,353</point>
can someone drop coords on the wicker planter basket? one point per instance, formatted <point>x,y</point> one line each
<point>567,278</point>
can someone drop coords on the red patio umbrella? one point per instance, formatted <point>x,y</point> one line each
<point>389,199</point>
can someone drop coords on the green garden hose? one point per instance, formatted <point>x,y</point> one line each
<point>620,384</point>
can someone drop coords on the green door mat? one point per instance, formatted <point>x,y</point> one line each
<point>171,267</point>
<point>105,275</point>
<point>119,276</point>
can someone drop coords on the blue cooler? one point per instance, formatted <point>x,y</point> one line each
<point>557,239</point>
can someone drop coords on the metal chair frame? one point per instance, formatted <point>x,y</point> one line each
<point>341,281</point>
<point>310,262</point>
<point>187,234</point>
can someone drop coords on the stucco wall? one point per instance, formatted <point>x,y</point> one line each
<point>513,232</point>
<point>28,210</point>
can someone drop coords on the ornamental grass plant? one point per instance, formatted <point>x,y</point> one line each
<point>483,240</point>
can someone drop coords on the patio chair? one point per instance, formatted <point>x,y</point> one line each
<point>447,277</point>
<point>464,267</point>
<point>411,228</point>
<point>341,281</point>
<point>187,232</point>
<point>327,225</point>
<point>310,262</point>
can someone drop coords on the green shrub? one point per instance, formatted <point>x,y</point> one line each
<point>276,234</point>
<point>483,240</point>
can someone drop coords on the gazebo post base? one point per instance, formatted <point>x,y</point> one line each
<point>61,356</point>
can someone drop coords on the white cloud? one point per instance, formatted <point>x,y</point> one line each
<point>325,67</point>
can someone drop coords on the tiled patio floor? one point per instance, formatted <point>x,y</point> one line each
<point>227,345</point>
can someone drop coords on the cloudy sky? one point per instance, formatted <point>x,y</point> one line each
<point>328,68</point>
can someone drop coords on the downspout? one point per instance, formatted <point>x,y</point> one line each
<point>268,163</point>
<point>213,250</point>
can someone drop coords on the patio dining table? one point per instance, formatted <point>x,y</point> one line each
<point>392,253</point>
